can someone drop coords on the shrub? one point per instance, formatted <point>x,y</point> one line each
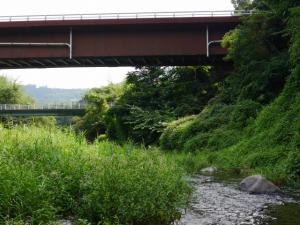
<point>171,137</point>
<point>243,112</point>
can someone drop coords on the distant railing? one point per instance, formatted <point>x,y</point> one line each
<point>62,106</point>
<point>140,15</point>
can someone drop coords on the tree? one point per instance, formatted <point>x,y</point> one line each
<point>12,93</point>
<point>98,100</point>
<point>154,96</point>
<point>241,4</point>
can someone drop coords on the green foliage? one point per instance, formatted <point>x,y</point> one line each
<point>139,125</point>
<point>241,4</point>
<point>259,51</point>
<point>11,93</point>
<point>98,99</point>
<point>147,125</point>
<point>216,127</point>
<point>154,96</point>
<point>294,27</point>
<point>253,124</point>
<point>243,113</point>
<point>44,121</point>
<point>171,137</point>
<point>179,89</point>
<point>277,7</point>
<point>46,175</point>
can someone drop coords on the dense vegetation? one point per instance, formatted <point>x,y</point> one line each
<point>151,96</point>
<point>47,174</point>
<point>93,123</point>
<point>253,123</point>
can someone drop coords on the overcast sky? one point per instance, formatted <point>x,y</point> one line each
<point>91,77</point>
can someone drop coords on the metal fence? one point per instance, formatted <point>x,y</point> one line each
<point>16,107</point>
<point>140,15</point>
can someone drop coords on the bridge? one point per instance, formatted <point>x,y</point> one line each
<point>126,39</point>
<point>14,110</point>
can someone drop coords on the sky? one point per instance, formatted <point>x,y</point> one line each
<point>91,77</point>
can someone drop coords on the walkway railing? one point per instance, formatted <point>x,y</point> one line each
<point>16,107</point>
<point>140,15</point>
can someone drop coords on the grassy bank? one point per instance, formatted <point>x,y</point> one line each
<point>269,145</point>
<point>253,124</point>
<point>46,175</point>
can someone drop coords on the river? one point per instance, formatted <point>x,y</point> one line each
<point>217,200</point>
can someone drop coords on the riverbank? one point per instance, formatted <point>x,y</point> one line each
<point>271,164</point>
<point>217,200</point>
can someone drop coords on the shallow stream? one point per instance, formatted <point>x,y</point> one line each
<point>217,200</point>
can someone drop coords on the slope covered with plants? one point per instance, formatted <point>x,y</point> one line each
<point>253,123</point>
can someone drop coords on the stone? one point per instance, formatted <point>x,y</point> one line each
<point>65,222</point>
<point>211,169</point>
<point>258,185</point>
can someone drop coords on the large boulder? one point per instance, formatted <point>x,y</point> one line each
<point>258,185</point>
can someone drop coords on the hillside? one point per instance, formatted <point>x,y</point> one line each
<point>252,125</point>
<point>45,95</point>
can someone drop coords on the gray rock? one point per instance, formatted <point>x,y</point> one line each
<point>258,185</point>
<point>210,170</point>
<point>65,222</point>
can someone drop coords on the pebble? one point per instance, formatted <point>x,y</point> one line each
<point>224,204</point>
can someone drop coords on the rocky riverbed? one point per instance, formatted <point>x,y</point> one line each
<point>217,200</point>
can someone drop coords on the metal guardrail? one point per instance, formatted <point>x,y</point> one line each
<point>140,15</point>
<point>16,107</point>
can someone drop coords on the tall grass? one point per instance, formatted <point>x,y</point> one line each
<point>46,175</point>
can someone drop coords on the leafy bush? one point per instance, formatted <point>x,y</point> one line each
<point>46,175</point>
<point>194,134</point>
<point>171,137</point>
<point>243,113</point>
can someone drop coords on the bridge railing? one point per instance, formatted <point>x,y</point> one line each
<point>16,107</point>
<point>140,15</point>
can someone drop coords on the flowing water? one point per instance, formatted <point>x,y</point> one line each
<point>217,200</point>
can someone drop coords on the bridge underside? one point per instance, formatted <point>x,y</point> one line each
<point>109,61</point>
<point>124,42</point>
